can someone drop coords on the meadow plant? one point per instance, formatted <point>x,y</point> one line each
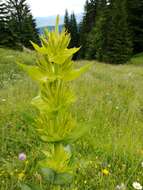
<point>55,124</point>
<point>22,156</point>
<point>137,186</point>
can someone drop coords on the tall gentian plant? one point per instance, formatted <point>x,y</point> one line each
<point>55,124</point>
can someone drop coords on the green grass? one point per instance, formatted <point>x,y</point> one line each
<point>110,99</point>
<point>137,59</point>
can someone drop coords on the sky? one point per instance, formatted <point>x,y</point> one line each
<point>43,8</point>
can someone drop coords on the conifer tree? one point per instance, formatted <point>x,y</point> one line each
<point>74,34</point>
<point>112,34</point>
<point>119,43</point>
<point>7,38</point>
<point>22,22</point>
<point>71,27</point>
<point>87,24</point>
<point>135,11</point>
<point>3,15</point>
<point>67,21</point>
<point>96,38</point>
<point>100,31</point>
<point>74,31</point>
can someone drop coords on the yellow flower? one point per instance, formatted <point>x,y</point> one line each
<point>105,171</point>
<point>21,175</point>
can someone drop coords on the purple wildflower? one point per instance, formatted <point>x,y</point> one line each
<point>22,156</point>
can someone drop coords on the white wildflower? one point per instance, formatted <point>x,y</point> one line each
<point>121,187</point>
<point>137,186</point>
<point>68,149</point>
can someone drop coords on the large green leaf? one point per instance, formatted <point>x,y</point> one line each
<point>78,132</point>
<point>34,72</point>
<point>63,179</point>
<point>76,73</point>
<point>59,160</point>
<point>48,174</point>
<point>41,50</point>
<point>62,56</point>
<point>25,187</point>
<point>39,103</point>
<point>56,178</point>
<point>30,186</point>
<point>35,187</point>
<point>38,74</point>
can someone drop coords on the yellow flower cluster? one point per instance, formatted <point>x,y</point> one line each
<point>105,171</point>
<point>21,176</point>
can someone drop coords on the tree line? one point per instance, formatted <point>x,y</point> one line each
<point>110,31</point>
<point>17,25</point>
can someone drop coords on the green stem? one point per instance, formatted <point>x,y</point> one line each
<point>57,188</point>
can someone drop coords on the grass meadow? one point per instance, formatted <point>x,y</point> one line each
<point>110,102</point>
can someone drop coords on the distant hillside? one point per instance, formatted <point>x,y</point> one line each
<point>50,28</point>
<point>50,20</point>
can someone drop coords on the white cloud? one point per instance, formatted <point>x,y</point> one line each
<point>45,8</point>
